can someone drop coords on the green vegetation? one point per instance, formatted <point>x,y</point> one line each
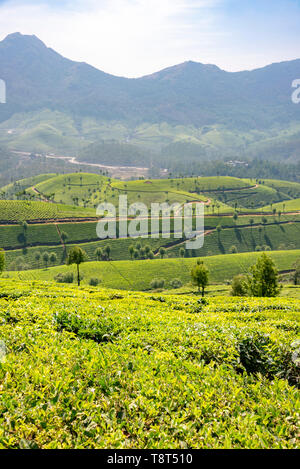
<point>200,276</point>
<point>16,211</point>
<point>97,350</point>
<point>235,233</point>
<point>18,189</point>
<point>2,261</point>
<point>222,195</point>
<point>240,285</point>
<point>77,256</point>
<point>138,275</point>
<point>263,279</point>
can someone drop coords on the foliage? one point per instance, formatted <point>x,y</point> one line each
<point>157,283</point>
<point>139,274</point>
<point>175,283</point>
<point>20,210</point>
<point>200,276</point>
<point>94,282</point>
<point>239,285</point>
<point>76,256</point>
<point>68,277</point>
<point>106,369</point>
<point>263,279</point>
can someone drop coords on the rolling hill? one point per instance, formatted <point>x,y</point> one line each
<point>60,211</point>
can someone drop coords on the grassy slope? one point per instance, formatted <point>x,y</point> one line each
<point>67,186</point>
<point>12,189</point>
<point>107,369</point>
<point>285,206</point>
<point>137,275</point>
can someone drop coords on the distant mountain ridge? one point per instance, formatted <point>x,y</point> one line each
<point>187,94</point>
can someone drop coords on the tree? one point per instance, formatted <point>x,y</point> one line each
<point>162,252</point>
<point>263,278</point>
<point>182,252</point>
<point>38,258</point>
<point>2,261</point>
<point>131,251</point>
<point>151,255</point>
<point>235,216</point>
<point>25,226</point>
<point>64,236</point>
<point>46,258</point>
<point>99,254</point>
<point>77,256</point>
<point>200,276</point>
<point>53,258</point>
<point>264,221</point>
<point>107,251</point>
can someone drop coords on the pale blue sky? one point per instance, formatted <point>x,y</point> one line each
<point>137,37</point>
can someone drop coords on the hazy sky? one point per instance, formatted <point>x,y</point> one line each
<point>138,37</point>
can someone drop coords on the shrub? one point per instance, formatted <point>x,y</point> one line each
<point>19,264</point>
<point>94,282</point>
<point>157,283</point>
<point>239,286</point>
<point>253,352</point>
<point>65,278</point>
<point>176,283</point>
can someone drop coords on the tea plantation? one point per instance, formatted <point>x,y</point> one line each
<point>89,368</point>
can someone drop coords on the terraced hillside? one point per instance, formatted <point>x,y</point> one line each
<point>109,369</point>
<point>26,244</point>
<point>16,211</point>
<point>53,228</point>
<point>220,194</point>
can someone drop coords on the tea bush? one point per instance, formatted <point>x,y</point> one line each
<point>92,368</point>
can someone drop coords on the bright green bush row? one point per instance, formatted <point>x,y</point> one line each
<point>89,368</point>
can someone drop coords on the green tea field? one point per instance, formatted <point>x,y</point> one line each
<point>138,275</point>
<point>89,368</point>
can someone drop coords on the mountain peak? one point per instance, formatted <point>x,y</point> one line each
<point>187,67</point>
<point>19,39</point>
